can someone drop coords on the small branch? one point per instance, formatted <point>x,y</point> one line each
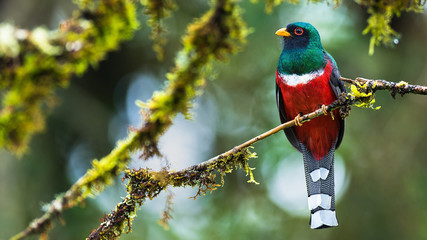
<point>344,100</point>
<point>401,87</point>
<point>157,11</point>
<point>307,117</point>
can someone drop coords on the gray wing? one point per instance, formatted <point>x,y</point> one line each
<point>338,87</point>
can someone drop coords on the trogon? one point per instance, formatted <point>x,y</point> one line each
<point>307,78</point>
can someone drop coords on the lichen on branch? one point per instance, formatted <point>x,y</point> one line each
<point>402,87</point>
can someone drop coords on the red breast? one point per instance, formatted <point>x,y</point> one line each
<point>321,133</point>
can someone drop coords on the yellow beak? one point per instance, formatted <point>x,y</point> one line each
<point>283,32</point>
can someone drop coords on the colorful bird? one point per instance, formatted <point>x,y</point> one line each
<point>307,78</point>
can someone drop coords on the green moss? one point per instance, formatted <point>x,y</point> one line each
<point>144,183</point>
<point>157,11</point>
<point>35,63</point>
<point>381,14</point>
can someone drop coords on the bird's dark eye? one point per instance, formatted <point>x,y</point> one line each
<point>298,31</point>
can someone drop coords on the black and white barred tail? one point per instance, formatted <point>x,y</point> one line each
<point>319,176</point>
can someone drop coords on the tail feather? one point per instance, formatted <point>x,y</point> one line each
<point>319,176</point>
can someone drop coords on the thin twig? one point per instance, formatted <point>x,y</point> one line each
<point>346,100</point>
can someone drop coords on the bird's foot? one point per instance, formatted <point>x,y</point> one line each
<point>297,121</point>
<point>325,112</point>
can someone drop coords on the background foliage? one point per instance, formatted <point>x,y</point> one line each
<point>383,153</point>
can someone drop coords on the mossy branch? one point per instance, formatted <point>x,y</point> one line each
<point>401,87</point>
<point>381,14</point>
<point>35,63</point>
<point>144,183</point>
<point>157,11</point>
<point>214,36</point>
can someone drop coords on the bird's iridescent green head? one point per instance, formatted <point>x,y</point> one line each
<point>302,50</point>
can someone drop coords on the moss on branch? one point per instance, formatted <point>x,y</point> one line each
<point>157,11</point>
<point>35,63</point>
<point>381,14</point>
<point>145,184</point>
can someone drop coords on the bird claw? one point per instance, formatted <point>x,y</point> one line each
<point>297,121</point>
<point>325,112</point>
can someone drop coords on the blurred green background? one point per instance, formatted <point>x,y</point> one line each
<point>381,164</point>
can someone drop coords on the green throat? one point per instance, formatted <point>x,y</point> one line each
<point>301,61</point>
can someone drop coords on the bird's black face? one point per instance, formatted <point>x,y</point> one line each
<point>299,39</point>
<point>299,35</point>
